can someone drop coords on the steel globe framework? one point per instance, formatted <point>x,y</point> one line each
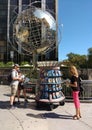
<point>32,30</point>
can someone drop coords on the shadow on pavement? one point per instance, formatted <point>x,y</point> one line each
<point>4,104</point>
<point>8,95</point>
<point>29,105</point>
<point>50,115</point>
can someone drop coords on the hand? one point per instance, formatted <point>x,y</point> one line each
<point>20,79</point>
<point>67,83</point>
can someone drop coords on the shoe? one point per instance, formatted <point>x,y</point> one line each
<point>12,107</point>
<point>80,116</point>
<point>76,117</point>
<point>14,103</point>
<point>26,100</point>
<point>18,102</point>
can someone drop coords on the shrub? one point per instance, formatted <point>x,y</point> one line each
<point>24,63</point>
<point>9,64</point>
<point>2,64</point>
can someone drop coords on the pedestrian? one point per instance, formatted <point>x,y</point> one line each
<point>74,84</point>
<point>14,84</point>
<point>21,87</point>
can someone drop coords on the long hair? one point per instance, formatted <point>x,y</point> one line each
<point>73,71</point>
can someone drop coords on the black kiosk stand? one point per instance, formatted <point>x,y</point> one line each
<point>49,90</point>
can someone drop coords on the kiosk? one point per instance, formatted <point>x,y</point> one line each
<point>49,90</point>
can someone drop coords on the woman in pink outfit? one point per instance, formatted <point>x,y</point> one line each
<point>74,84</point>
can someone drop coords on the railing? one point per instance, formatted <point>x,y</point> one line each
<point>3,79</point>
<point>85,91</point>
<point>85,94</point>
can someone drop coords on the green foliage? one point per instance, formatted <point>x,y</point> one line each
<point>89,58</point>
<point>24,63</point>
<point>9,64</point>
<point>2,64</point>
<point>90,51</point>
<point>78,60</point>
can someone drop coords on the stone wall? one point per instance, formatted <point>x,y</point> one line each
<point>90,74</point>
<point>86,74</point>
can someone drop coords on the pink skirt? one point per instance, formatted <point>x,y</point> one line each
<point>76,99</point>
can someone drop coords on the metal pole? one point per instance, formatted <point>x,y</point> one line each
<point>8,21</point>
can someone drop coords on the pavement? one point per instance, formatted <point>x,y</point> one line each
<point>30,118</point>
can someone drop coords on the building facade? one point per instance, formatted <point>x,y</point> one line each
<point>3,29</point>
<point>9,52</point>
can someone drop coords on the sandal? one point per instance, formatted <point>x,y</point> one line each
<point>80,116</point>
<point>76,117</point>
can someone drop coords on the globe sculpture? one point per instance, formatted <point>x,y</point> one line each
<point>33,30</point>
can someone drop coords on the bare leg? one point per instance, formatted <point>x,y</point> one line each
<point>12,100</point>
<point>18,94</point>
<point>24,92</point>
<point>79,113</point>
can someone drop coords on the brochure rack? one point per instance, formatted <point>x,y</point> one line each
<point>50,86</point>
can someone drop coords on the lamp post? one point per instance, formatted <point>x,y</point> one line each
<point>12,55</point>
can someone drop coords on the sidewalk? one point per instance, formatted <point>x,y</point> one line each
<point>31,119</point>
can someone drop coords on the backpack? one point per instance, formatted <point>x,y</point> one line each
<point>9,78</point>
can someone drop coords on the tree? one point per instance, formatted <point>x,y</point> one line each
<point>89,58</point>
<point>77,60</point>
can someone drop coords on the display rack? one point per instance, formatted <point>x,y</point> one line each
<point>50,86</point>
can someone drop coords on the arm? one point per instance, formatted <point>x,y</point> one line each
<point>73,82</point>
<point>73,85</point>
<point>15,76</point>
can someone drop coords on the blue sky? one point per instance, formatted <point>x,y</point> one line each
<point>76,17</point>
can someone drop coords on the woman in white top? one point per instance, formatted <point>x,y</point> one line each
<point>21,87</point>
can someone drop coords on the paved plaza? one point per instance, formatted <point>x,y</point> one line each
<point>29,118</point>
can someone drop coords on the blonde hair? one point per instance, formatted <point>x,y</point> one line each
<point>73,71</point>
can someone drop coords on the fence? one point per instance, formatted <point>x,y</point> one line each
<point>5,71</point>
<point>85,91</point>
<point>85,94</point>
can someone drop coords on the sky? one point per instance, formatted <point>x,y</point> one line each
<point>75,25</point>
